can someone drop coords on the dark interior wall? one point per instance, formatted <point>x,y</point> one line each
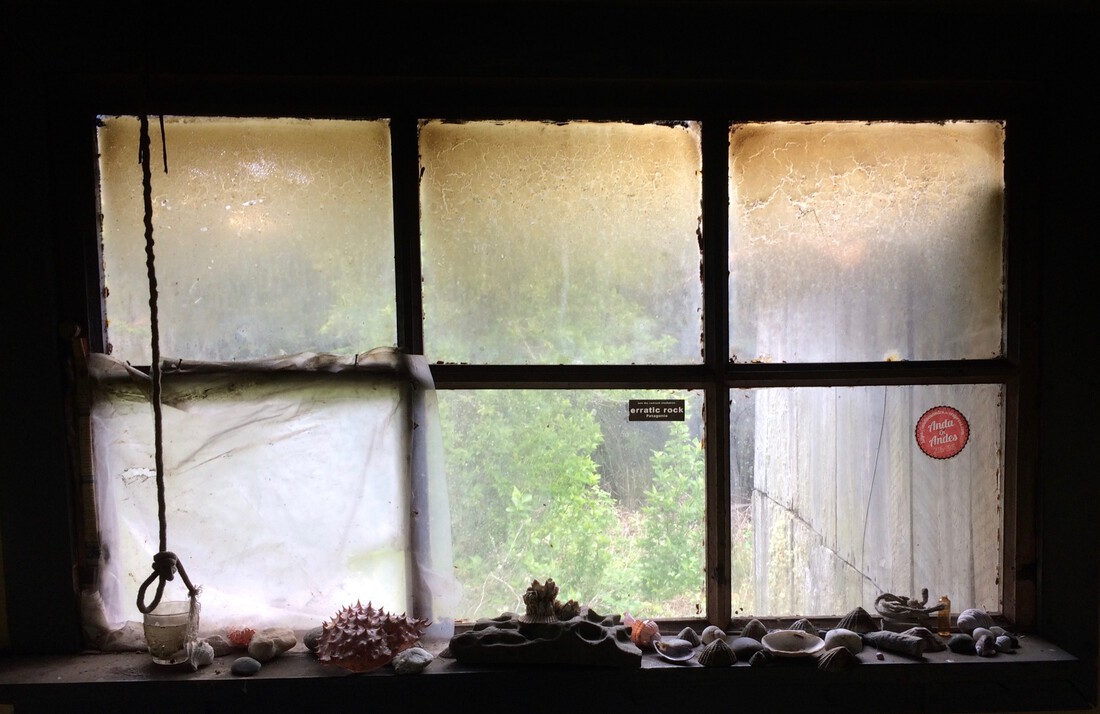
<point>815,58</point>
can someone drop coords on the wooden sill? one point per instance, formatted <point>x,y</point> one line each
<point>1038,677</point>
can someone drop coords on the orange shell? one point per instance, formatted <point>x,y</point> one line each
<point>643,633</point>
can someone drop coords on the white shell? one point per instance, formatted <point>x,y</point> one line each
<point>712,633</point>
<point>792,643</point>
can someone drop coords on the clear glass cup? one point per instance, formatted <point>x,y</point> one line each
<point>168,627</point>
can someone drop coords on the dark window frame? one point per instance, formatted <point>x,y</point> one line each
<point>580,100</point>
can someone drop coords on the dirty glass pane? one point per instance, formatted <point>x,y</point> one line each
<point>860,242</point>
<point>561,244</point>
<point>842,494</point>
<point>273,236</point>
<point>563,484</point>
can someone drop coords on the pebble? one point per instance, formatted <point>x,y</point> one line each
<point>220,644</point>
<point>312,638</point>
<point>412,661</point>
<point>245,667</point>
<point>268,644</point>
<point>839,637</point>
<point>961,644</point>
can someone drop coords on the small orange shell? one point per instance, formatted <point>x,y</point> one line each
<point>643,633</point>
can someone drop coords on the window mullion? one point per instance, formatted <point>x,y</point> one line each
<point>713,239</point>
<point>406,233</point>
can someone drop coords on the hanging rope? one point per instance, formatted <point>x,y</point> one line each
<point>165,563</point>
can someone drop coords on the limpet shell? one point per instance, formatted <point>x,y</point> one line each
<point>674,649</point>
<point>691,636</point>
<point>717,654</point>
<point>754,629</point>
<point>858,621</point>
<point>838,659</point>
<point>804,625</point>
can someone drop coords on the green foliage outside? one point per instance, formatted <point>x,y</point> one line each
<point>530,499</point>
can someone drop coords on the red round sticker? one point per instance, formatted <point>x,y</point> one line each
<point>942,432</point>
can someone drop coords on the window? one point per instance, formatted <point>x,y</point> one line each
<point>780,469</point>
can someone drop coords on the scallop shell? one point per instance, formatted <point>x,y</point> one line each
<point>717,654</point>
<point>674,649</point>
<point>838,659</point>
<point>804,625</point>
<point>858,621</point>
<point>839,637</point>
<point>691,636</point>
<point>932,642</point>
<point>973,618</point>
<point>754,629</point>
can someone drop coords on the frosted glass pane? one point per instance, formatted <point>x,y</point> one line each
<point>273,236</point>
<point>562,484</point>
<point>835,502</point>
<point>863,242</point>
<point>561,244</point>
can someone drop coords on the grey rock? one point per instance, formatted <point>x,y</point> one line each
<point>245,667</point>
<point>961,644</point>
<point>412,661</point>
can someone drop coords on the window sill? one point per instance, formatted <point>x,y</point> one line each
<point>1039,676</point>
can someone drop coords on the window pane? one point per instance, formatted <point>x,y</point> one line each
<point>863,242</point>
<point>836,502</point>
<point>562,484</point>
<point>286,495</point>
<point>561,244</point>
<point>273,236</point>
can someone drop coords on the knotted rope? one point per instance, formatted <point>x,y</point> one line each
<point>165,563</point>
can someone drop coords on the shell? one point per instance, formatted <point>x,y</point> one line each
<point>973,618</point>
<point>804,625</point>
<point>754,629</point>
<point>643,633</point>
<point>761,658</point>
<point>691,636</point>
<point>362,639</point>
<point>717,654</point>
<point>838,659</point>
<point>839,637</point>
<point>712,633</point>
<point>896,642</point>
<point>674,649</point>
<point>858,621</point>
<point>792,643</point>
<point>932,642</point>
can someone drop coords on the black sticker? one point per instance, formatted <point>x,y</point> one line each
<point>656,409</point>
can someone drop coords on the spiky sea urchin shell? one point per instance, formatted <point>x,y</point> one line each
<point>362,639</point>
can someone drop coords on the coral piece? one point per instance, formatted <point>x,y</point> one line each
<point>590,639</point>
<point>241,636</point>
<point>717,654</point>
<point>362,639</point>
<point>932,641</point>
<point>896,642</point>
<point>539,600</point>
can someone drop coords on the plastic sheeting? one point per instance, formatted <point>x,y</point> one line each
<point>294,487</point>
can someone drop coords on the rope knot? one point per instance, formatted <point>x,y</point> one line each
<point>164,565</point>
